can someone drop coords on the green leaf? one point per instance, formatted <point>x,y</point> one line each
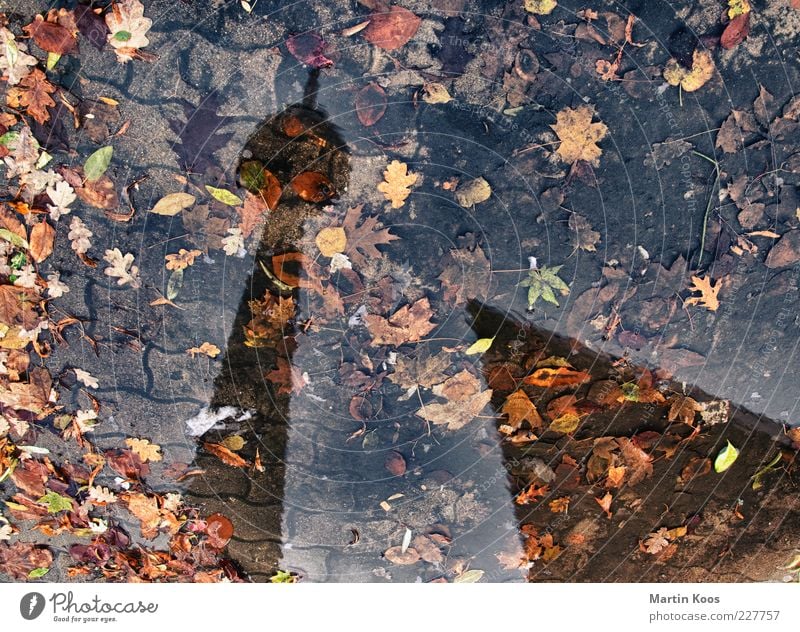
<point>174,284</point>
<point>224,196</point>
<point>725,458</point>
<point>52,60</point>
<point>757,482</point>
<point>252,177</point>
<point>123,36</point>
<point>55,502</point>
<point>542,283</point>
<point>173,204</point>
<point>480,346</point>
<point>36,573</point>
<point>630,391</point>
<point>8,138</point>
<point>469,577</point>
<point>97,164</point>
<point>282,577</point>
<point>15,239</point>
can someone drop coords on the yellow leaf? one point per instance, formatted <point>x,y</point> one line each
<point>578,135</point>
<point>435,93</point>
<point>708,293</point>
<point>145,450</point>
<point>540,7</point>
<point>397,180</point>
<point>519,408</point>
<point>212,351</point>
<point>568,422</point>
<point>480,346</point>
<point>331,241</point>
<point>690,80</point>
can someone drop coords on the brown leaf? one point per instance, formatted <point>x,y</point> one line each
<point>466,276</point>
<point>395,463</point>
<point>100,193</point>
<point>683,409</point>
<point>53,35</point>
<point>786,252</point>
<point>370,104</point>
<point>408,324</point>
<point>362,241</point>
<point>287,376</point>
<point>428,550</point>
<point>225,455</point>
<point>708,293</point>
<point>519,408</point>
<point>145,450</point>
<point>17,307</point>
<point>584,237</point>
<point>145,509</point>
<point>254,211</point>
<point>737,30</point>
<point>313,186</point>
<point>422,370</point>
<point>456,414</point>
<point>33,94</point>
<point>396,556</point>
<point>32,396</point>
<point>219,530</point>
<point>696,467</point>
<point>391,29</point>
<point>41,242</point>
<point>20,558</point>
<point>605,504</point>
<point>638,462</point>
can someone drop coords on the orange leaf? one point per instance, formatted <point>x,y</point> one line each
<point>708,293</point>
<point>556,377</point>
<point>225,455</point>
<point>312,186</point>
<point>605,504</point>
<point>519,408</point>
<point>41,243</point>
<point>33,94</point>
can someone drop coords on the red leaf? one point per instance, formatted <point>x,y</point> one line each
<point>370,104</point>
<point>307,48</point>
<point>736,31</point>
<point>391,29</point>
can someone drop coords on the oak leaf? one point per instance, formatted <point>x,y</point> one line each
<point>183,259</point>
<point>33,95</point>
<point>145,450</point>
<point>208,349</point>
<point>362,240</point>
<point>578,135</point>
<point>408,324</point>
<point>397,183</point>
<point>128,28</point>
<point>708,293</point>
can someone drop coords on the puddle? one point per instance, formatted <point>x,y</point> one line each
<point>347,427</point>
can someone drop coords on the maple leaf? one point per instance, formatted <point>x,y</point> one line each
<point>128,28</point>
<point>361,241</point>
<point>683,409</point>
<point>397,183</point>
<point>519,408</point>
<point>708,293</point>
<point>145,450</point>
<point>542,283</point>
<point>694,78</point>
<point>183,259</point>
<point>33,94</point>
<point>287,376</point>
<point>423,370</point>
<point>145,509</point>
<point>584,237</point>
<point>467,275</point>
<point>270,317</point>
<point>212,351</point>
<point>578,135</point>
<point>456,414</point>
<point>408,324</point>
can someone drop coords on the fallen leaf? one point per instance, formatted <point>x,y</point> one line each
<point>531,494</point>
<point>578,135</point>
<point>708,293</point>
<point>208,349</point>
<point>128,29</point>
<point>33,95</point>
<point>19,559</point>
<point>605,504</point>
<point>684,409</point>
<point>331,240</point>
<point>456,414</point>
<point>224,196</point>
<point>362,241</point>
<point>656,542</point>
<point>786,251</point>
<point>435,93</point>
<point>313,186</point>
<point>520,408</point>
<point>543,283</point>
<point>396,555</point>
<point>173,204</point>
<point>725,458</point>
<point>584,237</point>
<point>41,241</point>
<point>219,530</point>
<point>557,377</point>
<point>228,457</point>
<point>254,211</point>
<point>391,29</point>
<point>308,48</point>
<point>370,104</point>
<point>540,7</point>
<point>559,505</point>
<point>145,450</point>
<point>481,345</point>
<point>473,192</point>
<point>397,182</point>
<point>690,79</point>
<point>182,259</point>
<point>469,577</point>
<point>736,31</point>
<point>57,34</point>
<point>408,324</point>
<point>395,463</point>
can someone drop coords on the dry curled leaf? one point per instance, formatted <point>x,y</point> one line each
<point>33,95</point>
<point>228,457</point>
<point>397,183</point>
<point>578,135</point>
<point>408,324</point>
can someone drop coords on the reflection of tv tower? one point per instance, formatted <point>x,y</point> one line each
<point>33,603</point>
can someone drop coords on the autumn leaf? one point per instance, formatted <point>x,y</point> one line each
<point>57,34</point>
<point>456,414</point>
<point>287,376</point>
<point>396,555</point>
<point>605,504</point>
<point>684,409</point>
<point>540,7</point>
<point>362,241</point>
<point>331,240</point>
<point>531,493</point>
<point>208,349</point>
<point>694,78</point>
<point>19,559</point>
<point>559,505</point>
<point>557,377</point>
<point>473,192</point>
<point>408,324</point>
<point>656,542</point>
<point>145,450</point>
<point>254,211</point>
<point>173,203</point>
<point>708,293</point>
<point>584,236</point>
<point>313,186</point>
<point>543,283</point>
<point>726,458</point>
<point>370,104</point>
<point>520,408</point>
<point>578,135</point>
<point>422,370</point>
<point>183,259</point>
<point>228,457</point>
<point>128,28</point>
<point>467,274</point>
<point>391,29</point>
<point>566,423</point>
<point>33,95</point>
<point>397,183</point>
<point>41,241</point>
